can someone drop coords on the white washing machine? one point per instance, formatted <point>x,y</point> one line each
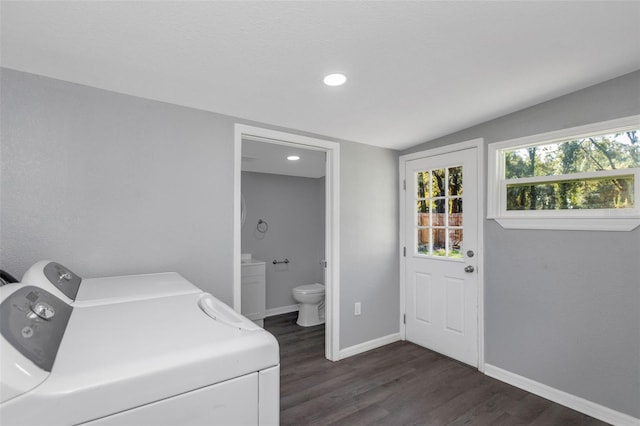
<point>172,356</point>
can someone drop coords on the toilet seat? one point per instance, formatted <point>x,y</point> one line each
<point>310,289</point>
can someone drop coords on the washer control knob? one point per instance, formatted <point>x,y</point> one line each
<point>43,310</point>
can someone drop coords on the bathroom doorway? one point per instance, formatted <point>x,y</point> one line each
<point>260,156</point>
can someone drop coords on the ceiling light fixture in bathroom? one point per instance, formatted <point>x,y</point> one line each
<point>335,79</point>
<point>293,158</point>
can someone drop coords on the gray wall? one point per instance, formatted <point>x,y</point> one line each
<point>563,308</point>
<point>112,184</point>
<point>293,207</point>
<point>369,243</point>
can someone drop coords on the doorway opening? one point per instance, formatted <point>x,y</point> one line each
<point>274,141</point>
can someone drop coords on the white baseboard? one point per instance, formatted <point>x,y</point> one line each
<point>282,310</point>
<point>367,346</point>
<point>568,400</point>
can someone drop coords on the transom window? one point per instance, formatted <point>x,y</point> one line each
<point>439,212</point>
<point>580,178</point>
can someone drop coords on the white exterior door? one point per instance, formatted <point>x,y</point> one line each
<point>441,235</point>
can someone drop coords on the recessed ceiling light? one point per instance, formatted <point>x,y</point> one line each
<point>293,158</point>
<point>335,79</point>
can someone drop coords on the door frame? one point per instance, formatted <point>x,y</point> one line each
<point>481,179</point>
<point>332,221</point>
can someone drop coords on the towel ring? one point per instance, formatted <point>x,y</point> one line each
<point>263,226</point>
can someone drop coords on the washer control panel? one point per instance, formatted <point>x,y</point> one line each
<point>33,321</point>
<point>63,279</point>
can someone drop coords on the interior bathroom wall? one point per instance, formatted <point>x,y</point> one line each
<point>294,209</point>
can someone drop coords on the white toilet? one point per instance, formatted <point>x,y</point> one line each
<point>311,299</point>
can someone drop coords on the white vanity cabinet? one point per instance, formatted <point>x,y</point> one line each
<point>253,291</point>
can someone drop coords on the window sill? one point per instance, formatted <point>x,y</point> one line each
<point>570,223</point>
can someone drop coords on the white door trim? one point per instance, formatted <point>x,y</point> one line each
<point>479,145</point>
<point>332,221</point>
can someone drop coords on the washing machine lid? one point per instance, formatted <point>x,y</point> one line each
<point>310,288</point>
<point>99,291</point>
<point>71,288</point>
<point>115,357</point>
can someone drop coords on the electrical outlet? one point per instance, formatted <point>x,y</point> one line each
<point>357,310</point>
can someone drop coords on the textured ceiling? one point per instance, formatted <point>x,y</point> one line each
<point>417,70</point>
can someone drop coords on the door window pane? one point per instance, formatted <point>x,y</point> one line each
<point>423,219</point>
<point>438,181</point>
<point>455,181</point>
<point>423,184</point>
<point>423,241</point>
<point>454,243</point>
<point>422,205</point>
<point>455,212</point>
<point>439,242</point>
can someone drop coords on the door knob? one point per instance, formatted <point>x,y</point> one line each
<point>469,268</point>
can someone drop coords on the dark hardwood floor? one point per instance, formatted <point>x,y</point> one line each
<point>398,384</point>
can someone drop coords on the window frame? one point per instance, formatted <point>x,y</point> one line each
<point>582,219</point>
